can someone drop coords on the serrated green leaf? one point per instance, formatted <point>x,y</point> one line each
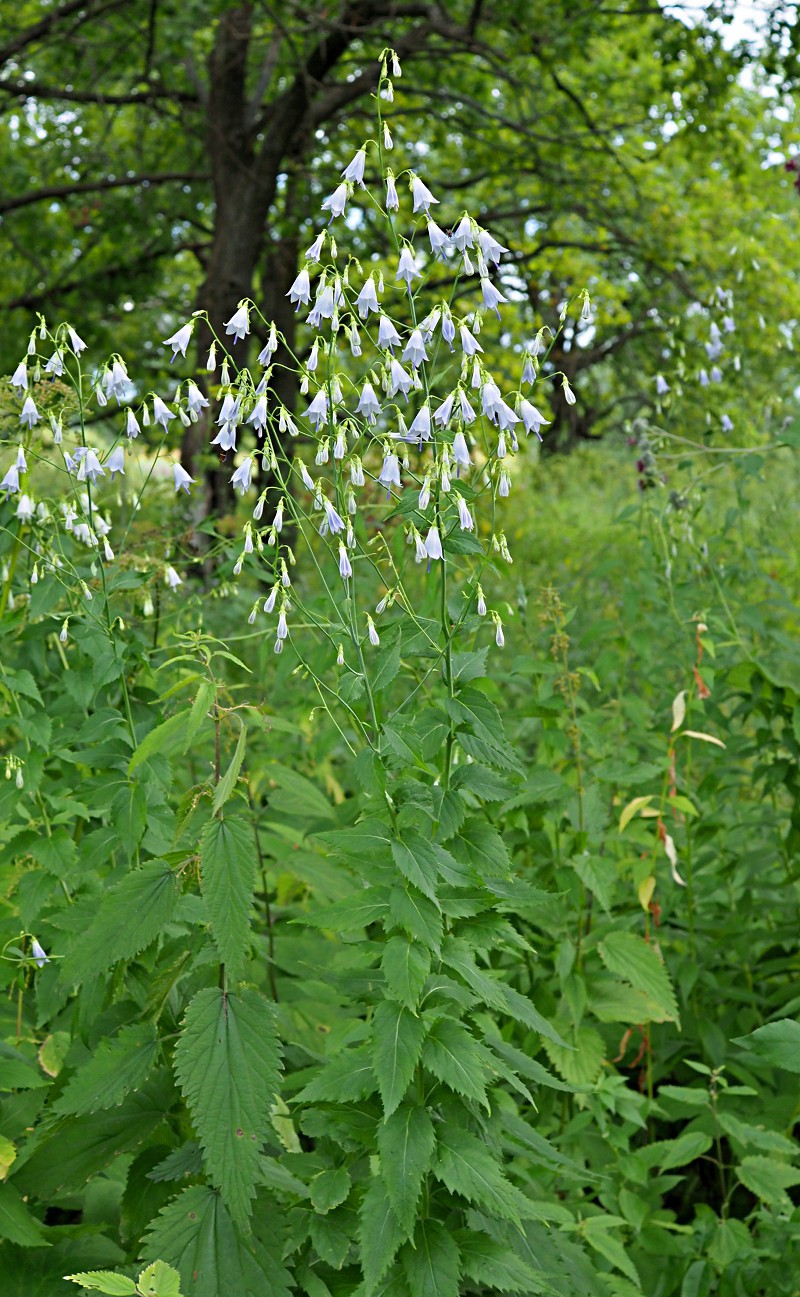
<point>129,918</point>
<point>595,1231</point>
<point>452,1054</point>
<point>456,954</point>
<point>159,1280</point>
<point>771,1141</point>
<point>17,1222</point>
<point>406,965</point>
<point>227,1063</point>
<point>118,1066</point>
<point>379,1235</point>
<point>397,1037</point>
<point>465,1165</point>
<point>228,871</point>
<point>196,1235</point>
<point>493,1265</point>
<point>416,862</point>
<point>206,693</point>
<point>329,1188</point>
<point>166,739</point>
<point>581,1063</point>
<point>631,958</point>
<point>777,1043</point>
<point>227,783</point>
<point>768,1179</point>
<point>353,913</point>
<point>671,1153</point>
<point>520,1008</point>
<point>406,1143</point>
<point>105,1281</point>
<point>418,916</point>
<point>346,1078</point>
<point>433,1264</point>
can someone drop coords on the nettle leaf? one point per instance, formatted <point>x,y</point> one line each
<point>195,1234</point>
<point>480,731</point>
<point>433,1263</point>
<point>129,918</point>
<point>489,1263</point>
<point>159,1280</point>
<point>227,1063</point>
<point>416,861</point>
<point>228,872</point>
<point>118,1066</point>
<point>406,964</point>
<point>406,1142</point>
<point>453,1055</point>
<point>397,1037</point>
<point>631,958</point>
<point>379,1234</point>
<point>353,913</point>
<point>465,1166</point>
<point>769,1179</point>
<point>418,916</point>
<point>346,1078</point>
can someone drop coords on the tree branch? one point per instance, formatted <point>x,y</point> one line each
<point>95,186</point>
<point>35,90</point>
<point>37,31</point>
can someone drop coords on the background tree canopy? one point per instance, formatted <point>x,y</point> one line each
<point>159,156</point>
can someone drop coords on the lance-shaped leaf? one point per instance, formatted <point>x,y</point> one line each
<point>397,1037</point>
<point>405,966</point>
<point>453,1055</point>
<point>406,1142</point>
<point>633,959</point>
<point>466,1166</point>
<point>433,1264</point>
<point>379,1234</point>
<point>417,915</point>
<point>227,1064</point>
<point>118,1066</point>
<point>228,870</point>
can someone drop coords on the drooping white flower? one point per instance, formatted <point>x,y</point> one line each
<point>367,299</point>
<point>703,377</point>
<point>116,462</point>
<point>20,377</point>
<point>420,429</point>
<point>345,566</point>
<point>441,415</point>
<point>324,306</point>
<point>355,168</point>
<point>333,521</point>
<point>300,290</point>
<point>258,417</point>
<point>242,476</point>
<point>77,343</point>
<point>374,637</point>
<point>462,236</point>
<point>726,423</point>
<point>317,412</point>
<point>504,485</point>
<point>468,415</point>
<point>492,297</point>
<point>481,603</point>
<point>172,579</point>
<point>469,343</point>
<point>421,195</point>
<point>528,370</point>
<point>305,476</point>
<point>356,471</point>
<point>132,424</point>
<point>39,955</point>
<point>29,415</point>
<point>336,202</point>
<point>226,437</point>
<point>414,349</point>
<point>407,267</point>
<point>392,201</point>
<point>716,374</point>
<point>465,518</point>
<point>25,509</point>
<point>491,249</point>
<point>433,544</point>
<point>569,395</point>
<point>532,418</point>
<point>440,242</point>
<point>161,413</point>
<point>90,468</point>
<point>22,463</point>
<point>315,251</point>
<point>181,479</point>
<point>55,365</point>
<point>505,417</point>
<point>390,472</point>
<point>388,337</point>
<point>662,385</point>
<point>399,380</point>
<point>368,403</point>
<point>461,450</point>
<point>180,339</point>
<point>238,324</point>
